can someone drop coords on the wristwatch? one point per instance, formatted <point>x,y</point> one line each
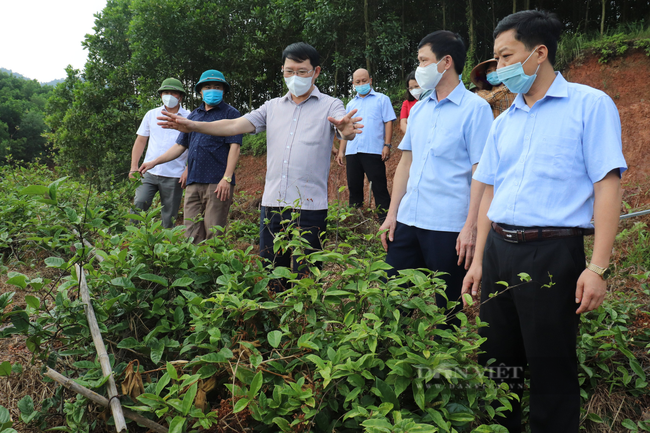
<point>388,145</point>
<point>602,272</point>
<point>227,179</point>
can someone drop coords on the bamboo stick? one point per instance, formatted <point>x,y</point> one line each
<point>101,400</point>
<point>116,407</point>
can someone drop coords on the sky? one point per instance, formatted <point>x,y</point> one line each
<point>40,38</point>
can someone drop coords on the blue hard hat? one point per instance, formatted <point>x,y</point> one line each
<point>211,75</point>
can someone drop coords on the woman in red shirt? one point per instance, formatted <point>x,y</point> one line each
<point>412,95</point>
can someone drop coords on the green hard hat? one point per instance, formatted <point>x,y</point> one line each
<point>211,75</point>
<point>172,84</point>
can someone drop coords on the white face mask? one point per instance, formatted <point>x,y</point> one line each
<point>169,101</point>
<point>428,76</point>
<point>298,86</point>
<point>417,92</point>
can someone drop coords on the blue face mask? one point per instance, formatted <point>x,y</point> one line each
<point>493,78</point>
<point>363,89</point>
<point>212,97</point>
<point>514,77</point>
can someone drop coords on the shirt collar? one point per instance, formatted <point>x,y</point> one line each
<point>558,89</point>
<point>315,93</point>
<point>456,95</point>
<point>202,106</point>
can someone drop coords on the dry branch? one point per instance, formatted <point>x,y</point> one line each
<point>116,407</point>
<point>101,400</point>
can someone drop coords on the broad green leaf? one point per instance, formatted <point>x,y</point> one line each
<point>162,383</point>
<point>182,282</point>
<point>17,279</point>
<point>154,279</point>
<point>282,423</point>
<point>34,190</point>
<point>33,302</point>
<point>54,262</point>
<point>5,369</point>
<point>256,385</point>
<point>240,405</point>
<point>188,399</point>
<point>274,338</point>
<point>176,426</point>
<point>171,371</point>
<point>387,393</point>
<point>157,349</point>
<point>594,417</point>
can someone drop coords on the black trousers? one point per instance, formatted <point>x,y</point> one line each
<point>372,166</point>
<point>311,223</point>
<point>420,248</point>
<point>534,326</point>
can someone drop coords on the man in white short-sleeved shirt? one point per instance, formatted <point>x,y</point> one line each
<point>168,179</point>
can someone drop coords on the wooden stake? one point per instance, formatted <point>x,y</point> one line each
<point>116,407</point>
<point>101,400</point>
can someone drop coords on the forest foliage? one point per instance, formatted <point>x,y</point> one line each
<point>22,118</point>
<point>137,43</point>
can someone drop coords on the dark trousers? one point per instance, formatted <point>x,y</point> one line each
<point>311,223</point>
<point>534,326</point>
<point>372,166</point>
<point>420,248</point>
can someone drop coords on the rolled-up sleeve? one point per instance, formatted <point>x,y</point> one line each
<point>487,166</point>
<point>258,118</point>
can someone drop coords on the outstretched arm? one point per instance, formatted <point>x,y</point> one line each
<point>221,128</point>
<point>172,153</point>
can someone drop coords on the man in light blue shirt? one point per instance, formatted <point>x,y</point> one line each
<point>369,151</point>
<point>431,222</point>
<point>552,161</point>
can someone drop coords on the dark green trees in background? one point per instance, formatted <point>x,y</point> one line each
<point>22,105</point>
<point>137,43</point>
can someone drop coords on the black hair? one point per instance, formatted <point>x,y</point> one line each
<point>533,28</point>
<point>445,43</point>
<point>299,52</point>
<point>409,77</point>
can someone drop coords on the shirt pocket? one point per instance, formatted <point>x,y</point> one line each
<point>446,144</point>
<point>555,156</point>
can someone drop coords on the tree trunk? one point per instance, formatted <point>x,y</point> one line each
<point>471,52</point>
<point>402,50</point>
<point>514,6</point>
<point>586,17</point>
<point>444,16</point>
<point>494,20</point>
<point>602,19</point>
<point>367,21</point>
<point>336,67</point>
<point>527,5</point>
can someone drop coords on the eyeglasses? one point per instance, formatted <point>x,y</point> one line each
<point>301,73</point>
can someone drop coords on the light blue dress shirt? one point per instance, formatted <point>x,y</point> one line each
<point>543,161</point>
<point>375,109</point>
<point>447,139</point>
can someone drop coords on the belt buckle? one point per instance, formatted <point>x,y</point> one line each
<point>512,236</point>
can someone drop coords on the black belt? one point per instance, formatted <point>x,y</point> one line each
<point>538,234</point>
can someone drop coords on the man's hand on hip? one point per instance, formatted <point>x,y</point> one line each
<point>590,291</point>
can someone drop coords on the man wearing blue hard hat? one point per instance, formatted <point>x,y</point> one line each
<point>211,161</point>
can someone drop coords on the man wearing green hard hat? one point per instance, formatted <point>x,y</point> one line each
<point>211,161</point>
<point>166,178</point>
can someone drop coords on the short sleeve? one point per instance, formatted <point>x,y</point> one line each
<point>601,142</point>
<point>145,129</point>
<point>388,113</point>
<point>258,118</point>
<point>404,114</point>
<point>487,166</point>
<point>405,144</point>
<point>233,113</point>
<point>477,132</point>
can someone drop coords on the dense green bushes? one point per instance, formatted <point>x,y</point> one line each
<point>198,340</point>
